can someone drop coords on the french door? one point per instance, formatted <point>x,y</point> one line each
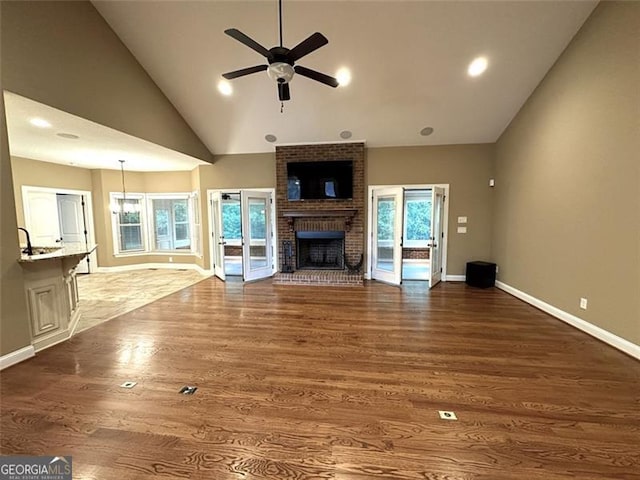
<point>217,235</point>
<point>437,236</point>
<point>257,235</point>
<point>388,204</point>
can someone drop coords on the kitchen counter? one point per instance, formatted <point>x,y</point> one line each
<point>66,251</point>
<point>52,293</point>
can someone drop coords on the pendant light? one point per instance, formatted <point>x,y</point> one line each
<point>124,207</point>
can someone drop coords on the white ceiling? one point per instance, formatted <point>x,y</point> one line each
<point>97,147</point>
<point>408,63</point>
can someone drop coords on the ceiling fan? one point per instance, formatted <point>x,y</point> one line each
<point>282,67</point>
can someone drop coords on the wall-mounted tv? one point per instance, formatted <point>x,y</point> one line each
<point>326,180</point>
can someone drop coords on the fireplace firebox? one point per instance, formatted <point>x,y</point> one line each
<point>320,250</point>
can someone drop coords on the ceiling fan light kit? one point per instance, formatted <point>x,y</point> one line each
<point>282,67</point>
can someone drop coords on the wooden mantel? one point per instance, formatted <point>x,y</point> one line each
<point>346,213</point>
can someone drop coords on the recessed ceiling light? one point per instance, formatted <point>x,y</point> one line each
<point>343,76</point>
<point>270,138</point>
<point>40,122</point>
<point>70,136</point>
<point>345,134</point>
<point>477,67</point>
<point>225,88</point>
<point>426,131</point>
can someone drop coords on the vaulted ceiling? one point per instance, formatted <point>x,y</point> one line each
<point>408,62</point>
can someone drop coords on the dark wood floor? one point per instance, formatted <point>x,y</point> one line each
<point>326,383</point>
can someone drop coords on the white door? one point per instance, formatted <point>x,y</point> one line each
<point>41,218</point>
<point>257,258</point>
<point>437,235</point>
<point>217,235</point>
<point>72,224</point>
<point>387,235</point>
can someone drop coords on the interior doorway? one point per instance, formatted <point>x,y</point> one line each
<point>58,217</point>
<point>242,233</point>
<point>407,233</point>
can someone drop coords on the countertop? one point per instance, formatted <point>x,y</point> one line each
<point>66,251</point>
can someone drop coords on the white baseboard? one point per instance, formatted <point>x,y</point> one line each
<point>17,356</point>
<point>167,266</point>
<point>601,334</point>
<point>455,278</point>
<point>40,344</point>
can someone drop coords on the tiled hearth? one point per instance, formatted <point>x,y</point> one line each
<point>298,219</point>
<point>319,277</point>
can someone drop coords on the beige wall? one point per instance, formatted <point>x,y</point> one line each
<point>14,328</point>
<point>567,216</point>
<point>467,169</point>
<point>256,170</point>
<point>65,55</point>
<point>43,174</point>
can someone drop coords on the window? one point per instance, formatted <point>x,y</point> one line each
<point>155,223</point>
<point>128,218</point>
<point>417,219</point>
<point>171,223</point>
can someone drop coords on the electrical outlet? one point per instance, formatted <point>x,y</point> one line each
<point>170,259</point>
<point>497,268</point>
<point>583,303</point>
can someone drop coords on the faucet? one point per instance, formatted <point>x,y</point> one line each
<point>29,249</point>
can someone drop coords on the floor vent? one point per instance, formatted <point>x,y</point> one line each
<point>128,384</point>
<point>444,415</point>
<point>187,390</point>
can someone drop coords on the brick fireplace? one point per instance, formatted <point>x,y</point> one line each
<point>323,233</point>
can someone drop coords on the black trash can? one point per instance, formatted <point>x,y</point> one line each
<point>481,274</point>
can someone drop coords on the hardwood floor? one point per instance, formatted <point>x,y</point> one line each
<point>329,383</point>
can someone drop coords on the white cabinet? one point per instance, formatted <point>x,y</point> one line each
<point>45,310</point>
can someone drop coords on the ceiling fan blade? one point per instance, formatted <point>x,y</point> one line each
<point>305,47</point>
<point>244,71</point>
<point>283,92</point>
<point>317,76</point>
<point>249,42</point>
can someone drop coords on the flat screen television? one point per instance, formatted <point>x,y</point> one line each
<point>327,180</point>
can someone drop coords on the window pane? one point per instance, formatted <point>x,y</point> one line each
<point>129,211</point>
<point>182,231</point>
<point>181,210</point>
<point>385,227</point>
<point>162,223</point>
<point>386,214</point>
<point>231,221</point>
<point>257,217</point>
<point>130,237</point>
<point>418,220</point>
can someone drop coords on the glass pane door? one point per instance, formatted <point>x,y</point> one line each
<point>387,234</point>
<point>256,247</point>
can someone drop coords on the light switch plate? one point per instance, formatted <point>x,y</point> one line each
<point>462,219</point>
<point>462,229</point>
